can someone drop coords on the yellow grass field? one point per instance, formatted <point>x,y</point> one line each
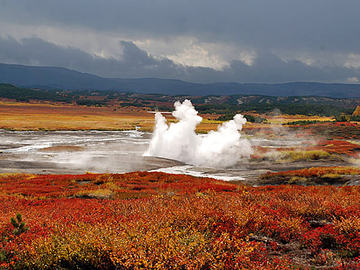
<point>47,116</point>
<point>52,116</point>
<point>281,119</point>
<point>27,116</point>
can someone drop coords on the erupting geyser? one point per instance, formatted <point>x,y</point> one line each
<point>178,141</point>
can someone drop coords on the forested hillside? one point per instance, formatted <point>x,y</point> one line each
<point>225,105</point>
<point>23,94</point>
<point>62,78</point>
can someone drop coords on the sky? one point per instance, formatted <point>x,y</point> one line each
<point>201,41</point>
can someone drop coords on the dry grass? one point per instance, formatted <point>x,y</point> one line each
<point>281,119</point>
<point>56,116</point>
<point>27,116</point>
<point>47,116</point>
<point>293,155</point>
<point>304,155</point>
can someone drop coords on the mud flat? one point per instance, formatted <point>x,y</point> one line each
<point>42,167</point>
<point>77,152</point>
<point>248,174</point>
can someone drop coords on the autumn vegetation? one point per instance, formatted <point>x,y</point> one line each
<point>312,176</point>
<point>55,116</point>
<point>159,221</point>
<point>306,218</point>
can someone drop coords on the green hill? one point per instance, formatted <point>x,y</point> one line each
<point>23,94</point>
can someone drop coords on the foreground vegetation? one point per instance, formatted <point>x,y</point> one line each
<point>174,222</point>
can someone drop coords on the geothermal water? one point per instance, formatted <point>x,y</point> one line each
<point>76,152</point>
<point>73,151</point>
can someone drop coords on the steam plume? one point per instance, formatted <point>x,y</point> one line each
<point>178,141</point>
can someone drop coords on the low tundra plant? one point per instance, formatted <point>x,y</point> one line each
<point>19,225</point>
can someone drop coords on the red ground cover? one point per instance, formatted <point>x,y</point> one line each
<point>338,147</point>
<point>180,222</point>
<point>129,185</point>
<point>334,147</point>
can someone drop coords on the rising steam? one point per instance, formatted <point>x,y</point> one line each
<point>178,141</point>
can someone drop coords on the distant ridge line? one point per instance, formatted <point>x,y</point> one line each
<point>67,79</point>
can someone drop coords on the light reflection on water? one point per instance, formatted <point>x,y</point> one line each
<point>76,152</point>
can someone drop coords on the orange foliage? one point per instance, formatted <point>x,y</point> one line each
<point>316,172</point>
<point>211,225</point>
<point>335,147</point>
<point>135,184</point>
<point>338,147</point>
<point>357,111</point>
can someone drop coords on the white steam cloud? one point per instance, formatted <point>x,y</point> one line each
<point>178,141</point>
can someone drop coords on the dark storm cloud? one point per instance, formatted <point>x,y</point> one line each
<point>330,24</point>
<point>269,68</point>
<point>135,62</point>
<point>138,63</point>
<point>35,51</point>
<point>325,33</point>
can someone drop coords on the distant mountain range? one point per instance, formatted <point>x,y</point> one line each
<point>62,78</point>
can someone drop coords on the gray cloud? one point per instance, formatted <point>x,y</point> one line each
<point>210,33</point>
<point>138,63</point>
<point>135,62</point>
<point>269,68</point>
<point>261,24</point>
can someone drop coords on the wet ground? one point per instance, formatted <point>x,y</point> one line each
<point>70,152</point>
<point>77,152</point>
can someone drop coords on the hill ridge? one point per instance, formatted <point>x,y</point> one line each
<point>67,79</point>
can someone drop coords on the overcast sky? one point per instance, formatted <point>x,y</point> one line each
<point>193,40</point>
